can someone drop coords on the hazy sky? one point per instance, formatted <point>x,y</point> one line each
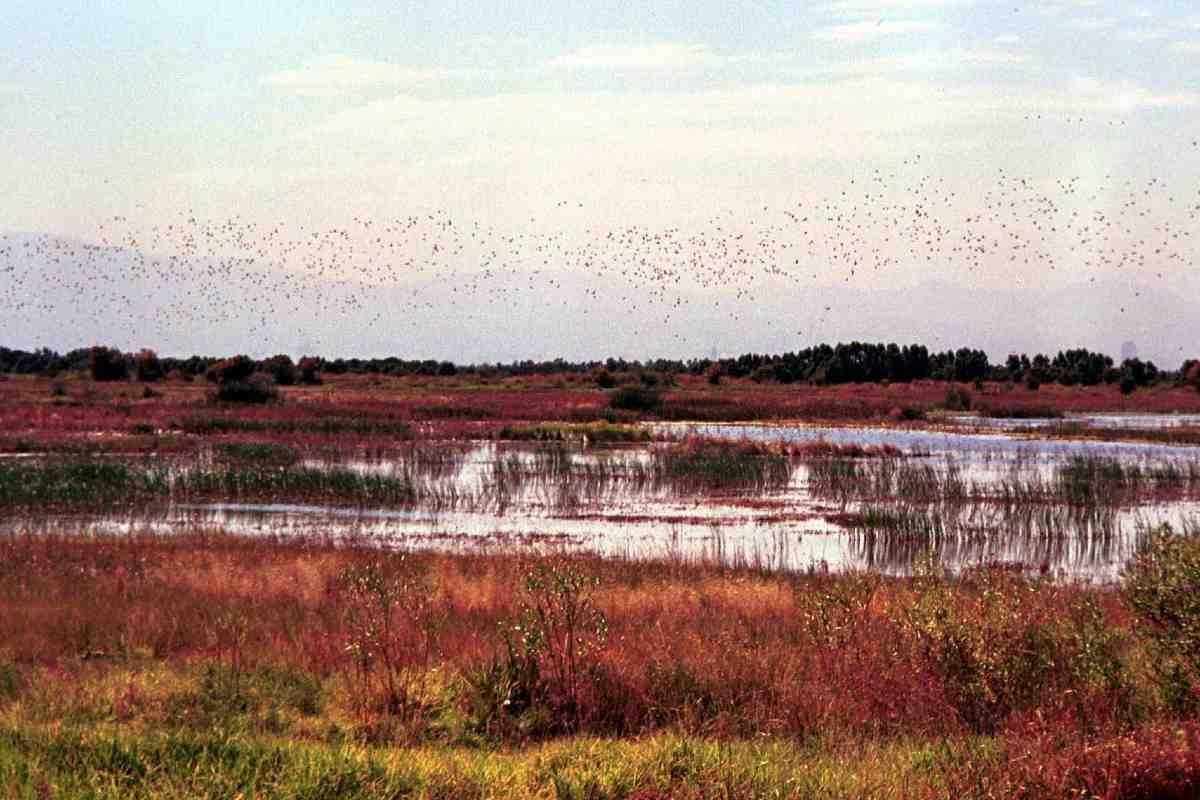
<point>588,117</point>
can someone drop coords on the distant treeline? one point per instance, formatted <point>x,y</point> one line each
<point>855,362</point>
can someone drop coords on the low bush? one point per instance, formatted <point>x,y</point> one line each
<point>309,369</point>
<point>389,631</point>
<point>635,398</point>
<point>1162,587</point>
<point>257,388</point>
<point>281,369</point>
<point>107,364</point>
<point>957,399</point>
<point>552,649</point>
<point>998,652</point>
<point>147,366</point>
<point>1001,411</point>
<point>237,368</point>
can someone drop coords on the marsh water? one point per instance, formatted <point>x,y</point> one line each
<point>958,495</point>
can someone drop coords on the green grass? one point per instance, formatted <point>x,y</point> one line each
<point>211,425</point>
<point>115,763</point>
<point>256,452</point>
<point>257,481</point>
<point>592,433</point>
<point>1091,482</point>
<point>86,484</point>
<point>903,521</point>
<point>77,483</point>
<point>720,464</point>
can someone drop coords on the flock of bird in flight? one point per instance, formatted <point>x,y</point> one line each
<point>193,274</point>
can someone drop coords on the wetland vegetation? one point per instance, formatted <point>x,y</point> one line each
<point>434,588</point>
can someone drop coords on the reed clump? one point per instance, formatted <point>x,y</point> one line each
<point>77,483</point>
<point>330,426</point>
<point>587,433</point>
<point>718,464</point>
<point>263,482</point>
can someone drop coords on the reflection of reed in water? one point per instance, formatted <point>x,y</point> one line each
<point>1046,538</point>
<point>1081,481</point>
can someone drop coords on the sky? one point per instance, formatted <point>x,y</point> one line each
<point>1060,135</point>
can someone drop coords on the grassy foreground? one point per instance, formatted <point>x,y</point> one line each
<point>120,761</point>
<point>203,664</point>
<point>100,763</point>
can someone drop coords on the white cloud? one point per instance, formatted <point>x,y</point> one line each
<point>1144,35</point>
<point>1092,23</point>
<point>1122,97</point>
<point>946,60</point>
<point>1055,7</point>
<point>662,55</point>
<point>822,110</point>
<point>869,31</point>
<point>892,96</point>
<point>1188,47</point>
<point>340,72</point>
<point>882,8</point>
<point>1008,38</point>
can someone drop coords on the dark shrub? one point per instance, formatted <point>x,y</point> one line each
<point>280,368</point>
<point>906,413</point>
<point>1192,375</point>
<point>238,368</point>
<point>258,388</point>
<point>309,367</point>
<point>605,379</point>
<point>107,364</point>
<point>635,398</point>
<point>147,366</point>
<point>957,399</point>
<point>1001,411</point>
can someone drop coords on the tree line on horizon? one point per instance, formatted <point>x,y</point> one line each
<point>823,364</point>
<point>853,362</point>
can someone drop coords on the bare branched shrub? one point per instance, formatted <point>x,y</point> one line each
<point>390,633</point>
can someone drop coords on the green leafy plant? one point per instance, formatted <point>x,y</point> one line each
<point>1162,588</point>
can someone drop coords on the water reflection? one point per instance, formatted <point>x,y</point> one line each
<point>610,501</point>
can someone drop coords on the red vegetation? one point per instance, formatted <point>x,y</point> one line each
<point>710,650</point>
<point>451,407</point>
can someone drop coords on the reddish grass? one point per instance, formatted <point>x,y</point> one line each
<point>1177,435</point>
<point>1054,677</point>
<point>448,407</point>
<point>1155,762</point>
<point>711,650</point>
